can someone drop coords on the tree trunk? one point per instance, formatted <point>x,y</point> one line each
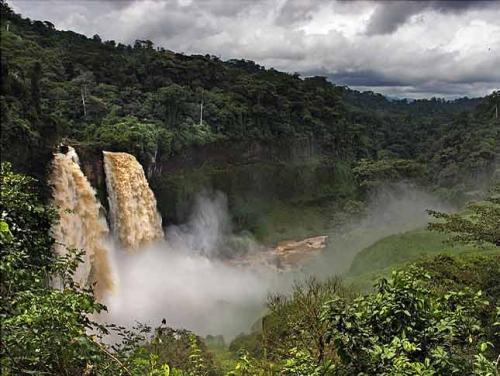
<point>83,101</point>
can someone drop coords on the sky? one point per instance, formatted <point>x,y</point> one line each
<point>411,49</point>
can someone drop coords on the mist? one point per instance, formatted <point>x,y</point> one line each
<point>192,278</point>
<point>189,278</point>
<point>209,230</point>
<point>391,209</point>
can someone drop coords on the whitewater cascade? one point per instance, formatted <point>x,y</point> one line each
<point>134,218</point>
<point>81,223</point>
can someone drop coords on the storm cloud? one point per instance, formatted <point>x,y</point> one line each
<point>407,49</point>
<point>390,15</point>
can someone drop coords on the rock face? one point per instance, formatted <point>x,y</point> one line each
<point>239,169</point>
<point>292,253</point>
<point>287,255</point>
<point>92,165</point>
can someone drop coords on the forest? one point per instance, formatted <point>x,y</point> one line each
<point>293,157</point>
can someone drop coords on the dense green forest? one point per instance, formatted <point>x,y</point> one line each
<point>424,302</point>
<point>146,100</point>
<point>310,140</point>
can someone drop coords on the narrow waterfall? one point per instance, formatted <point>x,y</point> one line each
<point>134,217</point>
<point>81,224</point>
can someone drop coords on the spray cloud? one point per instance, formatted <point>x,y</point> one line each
<point>191,280</point>
<point>187,280</point>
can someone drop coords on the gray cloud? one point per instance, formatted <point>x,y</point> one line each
<point>294,11</point>
<point>390,15</point>
<point>223,7</point>
<point>460,5</point>
<point>451,48</point>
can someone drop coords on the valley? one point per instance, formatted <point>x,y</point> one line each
<point>176,214</point>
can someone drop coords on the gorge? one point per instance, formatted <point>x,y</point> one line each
<point>164,213</point>
<point>202,275</point>
<point>139,274</point>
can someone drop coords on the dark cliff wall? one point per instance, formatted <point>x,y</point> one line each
<point>290,151</point>
<point>230,153</point>
<point>92,164</point>
<point>282,169</point>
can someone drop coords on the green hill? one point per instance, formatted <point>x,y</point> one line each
<point>396,251</point>
<point>60,85</point>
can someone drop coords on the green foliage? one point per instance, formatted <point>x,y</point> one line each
<point>247,366</point>
<point>295,321</point>
<point>250,343</point>
<point>301,363</point>
<point>129,134</point>
<point>406,328</point>
<point>197,362</point>
<point>479,224</point>
<point>371,174</point>
<point>43,329</point>
<point>478,271</point>
<point>437,317</point>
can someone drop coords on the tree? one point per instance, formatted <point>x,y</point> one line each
<point>480,223</point>
<point>85,81</point>
<point>372,174</point>
<point>295,321</point>
<point>129,134</point>
<point>170,104</point>
<point>43,329</point>
<point>406,327</point>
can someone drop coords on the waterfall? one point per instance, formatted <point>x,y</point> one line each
<point>81,224</point>
<point>134,217</point>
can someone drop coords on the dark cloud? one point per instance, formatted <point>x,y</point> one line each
<point>460,5</point>
<point>223,7</point>
<point>454,49</point>
<point>294,11</point>
<point>372,80</point>
<point>390,15</point>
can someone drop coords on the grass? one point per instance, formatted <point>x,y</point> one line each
<point>395,251</point>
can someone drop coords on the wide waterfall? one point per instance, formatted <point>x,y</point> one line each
<point>134,218</point>
<point>81,224</point>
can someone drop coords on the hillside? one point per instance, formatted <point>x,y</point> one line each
<point>173,215</point>
<point>146,100</point>
<point>396,251</point>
